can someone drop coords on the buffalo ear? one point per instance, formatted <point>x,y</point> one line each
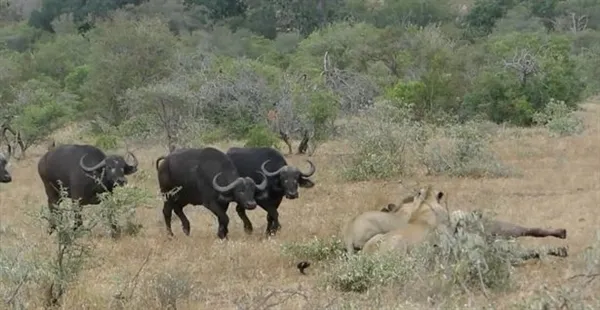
<point>305,182</point>
<point>129,169</point>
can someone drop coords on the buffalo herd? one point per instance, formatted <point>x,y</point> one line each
<point>250,177</point>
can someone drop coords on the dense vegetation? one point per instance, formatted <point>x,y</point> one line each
<point>204,70</point>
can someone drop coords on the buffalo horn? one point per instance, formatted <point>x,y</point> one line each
<point>135,161</point>
<point>311,171</point>
<point>91,169</point>
<point>263,184</point>
<point>270,174</point>
<point>226,188</point>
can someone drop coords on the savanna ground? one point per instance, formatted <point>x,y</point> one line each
<point>559,186</point>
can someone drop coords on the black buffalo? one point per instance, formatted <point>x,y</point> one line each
<point>77,168</point>
<point>5,176</point>
<point>205,177</point>
<point>283,181</point>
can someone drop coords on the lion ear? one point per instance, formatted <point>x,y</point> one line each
<point>391,207</point>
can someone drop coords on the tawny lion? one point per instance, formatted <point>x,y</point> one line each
<point>427,214</point>
<point>358,230</point>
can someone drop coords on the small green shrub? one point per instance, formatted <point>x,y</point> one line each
<point>387,145</point>
<point>260,136</point>
<point>559,119</point>
<point>106,141</point>
<point>358,273</point>
<point>314,250</point>
<point>118,209</point>
<point>463,150</point>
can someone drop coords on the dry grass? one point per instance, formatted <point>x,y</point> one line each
<point>559,187</point>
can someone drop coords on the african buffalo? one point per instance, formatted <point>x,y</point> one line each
<point>283,180</point>
<point>205,177</point>
<point>77,167</point>
<point>5,176</point>
<point>503,229</point>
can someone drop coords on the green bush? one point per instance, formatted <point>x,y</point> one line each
<point>463,151</point>
<point>260,136</point>
<point>384,149</point>
<point>525,70</point>
<point>118,209</point>
<point>559,119</point>
<point>106,141</point>
<point>314,250</point>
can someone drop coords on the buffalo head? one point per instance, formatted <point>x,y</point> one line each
<point>242,190</point>
<point>4,175</point>
<point>290,178</point>
<point>114,169</point>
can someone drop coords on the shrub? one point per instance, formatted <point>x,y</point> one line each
<point>260,136</point>
<point>559,119</point>
<point>463,150</point>
<point>118,209</point>
<point>360,272</point>
<point>387,144</point>
<point>314,250</point>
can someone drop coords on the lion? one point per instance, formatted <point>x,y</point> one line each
<point>358,230</point>
<point>426,216</point>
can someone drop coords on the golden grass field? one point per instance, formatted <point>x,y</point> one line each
<point>559,187</point>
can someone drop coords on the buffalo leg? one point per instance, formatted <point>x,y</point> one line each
<point>167,214</point>
<point>185,223</point>
<point>558,252</point>
<point>241,211</point>
<point>52,199</point>
<point>505,229</point>
<point>220,210</point>
<point>272,220</point>
<point>78,219</point>
<point>51,221</point>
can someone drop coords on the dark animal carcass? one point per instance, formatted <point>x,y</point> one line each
<point>5,176</point>
<point>207,177</point>
<point>77,168</point>
<point>283,180</point>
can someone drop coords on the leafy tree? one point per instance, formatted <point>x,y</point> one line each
<point>125,53</point>
<point>220,9</point>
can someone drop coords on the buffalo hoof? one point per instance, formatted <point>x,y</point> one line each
<point>561,252</point>
<point>562,234</point>
<point>222,235</point>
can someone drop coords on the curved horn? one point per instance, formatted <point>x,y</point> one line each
<point>263,184</point>
<point>158,160</point>
<point>135,161</point>
<point>311,171</point>
<point>226,188</point>
<point>91,169</point>
<point>267,173</point>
